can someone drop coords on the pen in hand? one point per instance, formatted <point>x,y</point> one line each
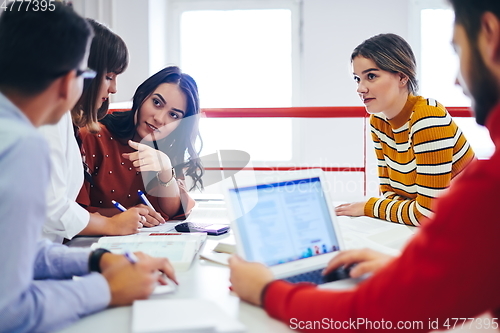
<point>119,206</point>
<point>131,257</point>
<point>123,209</point>
<point>145,200</point>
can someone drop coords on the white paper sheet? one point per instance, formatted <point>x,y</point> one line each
<point>182,315</point>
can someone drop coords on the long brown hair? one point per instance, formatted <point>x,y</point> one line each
<point>180,145</point>
<point>108,54</point>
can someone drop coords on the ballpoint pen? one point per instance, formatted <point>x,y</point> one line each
<point>123,209</point>
<point>119,206</point>
<point>145,200</point>
<point>131,257</point>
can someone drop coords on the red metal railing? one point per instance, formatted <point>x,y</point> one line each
<point>306,112</point>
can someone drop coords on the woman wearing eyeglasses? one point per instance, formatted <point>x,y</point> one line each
<point>108,57</point>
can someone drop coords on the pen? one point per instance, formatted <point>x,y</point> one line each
<point>145,200</point>
<point>119,206</point>
<point>131,257</point>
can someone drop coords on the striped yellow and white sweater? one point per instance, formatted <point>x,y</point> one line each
<point>419,152</point>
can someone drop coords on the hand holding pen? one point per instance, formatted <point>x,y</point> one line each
<point>136,280</point>
<point>134,217</point>
<point>151,218</point>
<point>162,276</point>
<point>154,217</point>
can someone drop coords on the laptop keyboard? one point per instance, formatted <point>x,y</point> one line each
<point>312,276</point>
<point>316,277</point>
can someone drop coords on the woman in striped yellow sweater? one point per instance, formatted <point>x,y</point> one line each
<point>418,146</point>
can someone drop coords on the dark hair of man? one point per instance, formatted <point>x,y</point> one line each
<point>108,54</point>
<point>468,14</point>
<point>183,138</point>
<point>483,85</point>
<point>37,47</point>
<point>390,53</point>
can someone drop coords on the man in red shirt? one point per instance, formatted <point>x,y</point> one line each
<point>450,271</point>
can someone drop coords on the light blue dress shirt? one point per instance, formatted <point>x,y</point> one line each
<point>37,292</point>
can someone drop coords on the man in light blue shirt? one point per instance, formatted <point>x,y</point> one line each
<point>42,59</point>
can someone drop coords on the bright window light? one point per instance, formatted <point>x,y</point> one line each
<point>439,70</point>
<point>439,66</point>
<point>241,58</point>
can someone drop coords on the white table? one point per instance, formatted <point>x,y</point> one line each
<point>203,280</point>
<point>206,280</point>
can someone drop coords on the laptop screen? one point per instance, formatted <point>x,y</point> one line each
<point>284,221</point>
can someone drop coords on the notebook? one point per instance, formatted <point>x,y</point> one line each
<point>287,223</point>
<point>180,249</point>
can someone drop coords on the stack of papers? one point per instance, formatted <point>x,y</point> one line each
<point>182,315</point>
<point>379,235</point>
<point>179,248</point>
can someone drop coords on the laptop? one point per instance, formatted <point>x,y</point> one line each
<point>286,222</point>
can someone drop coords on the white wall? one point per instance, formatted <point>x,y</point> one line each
<point>330,31</point>
<point>130,20</point>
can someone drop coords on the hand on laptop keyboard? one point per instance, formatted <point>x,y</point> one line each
<point>338,274</point>
<point>316,277</point>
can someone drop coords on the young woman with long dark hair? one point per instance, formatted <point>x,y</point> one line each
<point>150,148</point>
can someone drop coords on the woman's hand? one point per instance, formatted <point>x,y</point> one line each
<point>128,222</point>
<point>351,209</point>
<point>147,158</point>
<point>153,218</point>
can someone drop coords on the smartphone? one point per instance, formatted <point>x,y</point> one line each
<point>209,228</point>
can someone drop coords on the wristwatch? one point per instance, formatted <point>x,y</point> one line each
<point>95,260</point>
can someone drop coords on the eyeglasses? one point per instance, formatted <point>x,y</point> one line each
<point>86,73</point>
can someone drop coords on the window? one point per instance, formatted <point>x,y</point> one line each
<point>439,62</point>
<point>237,61</point>
<point>439,65</point>
<point>241,54</point>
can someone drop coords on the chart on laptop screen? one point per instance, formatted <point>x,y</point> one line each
<point>289,221</point>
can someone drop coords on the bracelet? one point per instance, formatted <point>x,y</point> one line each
<point>95,260</point>
<point>166,184</point>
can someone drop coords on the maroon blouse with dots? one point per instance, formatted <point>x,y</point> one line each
<point>115,178</point>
